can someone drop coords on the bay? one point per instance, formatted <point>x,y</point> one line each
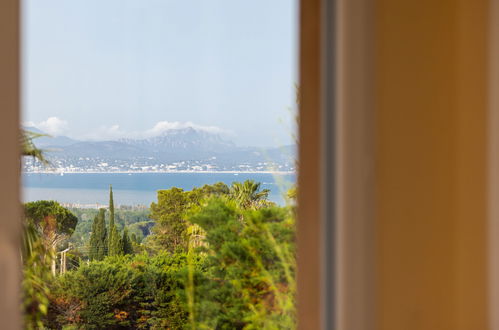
<point>137,188</point>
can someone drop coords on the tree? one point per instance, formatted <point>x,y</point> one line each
<point>171,229</point>
<point>169,232</point>
<point>98,238</point>
<point>53,222</point>
<point>50,215</point>
<point>46,225</point>
<point>111,204</point>
<point>216,189</point>
<point>248,195</point>
<point>126,243</point>
<point>114,246</point>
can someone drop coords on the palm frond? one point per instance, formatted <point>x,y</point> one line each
<point>28,147</point>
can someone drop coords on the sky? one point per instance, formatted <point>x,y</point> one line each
<point>105,69</point>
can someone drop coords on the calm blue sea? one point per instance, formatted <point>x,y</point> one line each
<point>136,188</point>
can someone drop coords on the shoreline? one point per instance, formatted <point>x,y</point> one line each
<point>161,172</point>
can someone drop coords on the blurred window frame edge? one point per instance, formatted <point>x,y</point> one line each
<point>493,154</point>
<point>335,178</point>
<point>336,246</point>
<point>10,224</point>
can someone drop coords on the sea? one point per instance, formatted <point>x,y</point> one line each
<point>133,189</point>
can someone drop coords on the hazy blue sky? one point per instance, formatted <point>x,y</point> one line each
<point>109,68</point>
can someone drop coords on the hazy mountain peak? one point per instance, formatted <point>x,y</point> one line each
<point>192,147</point>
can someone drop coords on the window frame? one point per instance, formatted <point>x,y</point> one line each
<point>10,224</point>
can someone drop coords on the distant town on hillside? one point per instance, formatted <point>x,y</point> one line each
<point>176,150</point>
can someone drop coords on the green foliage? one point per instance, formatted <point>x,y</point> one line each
<point>98,239</point>
<point>251,261</point>
<point>222,259</point>
<point>141,229</point>
<point>170,231</point>
<point>136,219</point>
<point>216,189</point>
<point>126,243</point>
<point>248,195</point>
<point>115,245</point>
<point>292,195</point>
<point>132,292</point>
<point>111,204</point>
<point>46,224</point>
<point>50,216</point>
<point>114,242</point>
<point>28,147</point>
<point>36,272</point>
<point>35,256</point>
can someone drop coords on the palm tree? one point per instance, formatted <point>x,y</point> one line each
<point>248,195</point>
<point>28,148</point>
<point>34,254</point>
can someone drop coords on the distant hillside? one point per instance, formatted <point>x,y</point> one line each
<point>195,147</point>
<point>50,141</point>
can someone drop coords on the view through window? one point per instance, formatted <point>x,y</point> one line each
<point>159,164</point>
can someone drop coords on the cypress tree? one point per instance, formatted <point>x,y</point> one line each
<point>114,242</point>
<point>98,238</point>
<point>111,204</point>
<point>126,243</point>
<point>102,249</point>
<point>114,247</point>
<point>92,253</point>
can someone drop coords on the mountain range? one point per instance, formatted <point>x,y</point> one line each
<point>172,146</point>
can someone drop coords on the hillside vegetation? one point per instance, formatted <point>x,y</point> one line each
<point>215,257</point>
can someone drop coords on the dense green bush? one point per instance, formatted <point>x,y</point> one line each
<point>126,292</point>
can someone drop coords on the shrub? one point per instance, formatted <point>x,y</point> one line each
<point>121,293</point>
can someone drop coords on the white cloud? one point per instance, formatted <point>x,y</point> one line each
<point>56,127</point>
<point>114,132</point>
<point>53,126</point>
<point>164,126</point>
<point>103,133</point>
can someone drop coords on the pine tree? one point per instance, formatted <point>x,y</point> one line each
<point>126,243</point>
<point>98,238</point>
<point>170,230</point>
<point>114,247</point>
